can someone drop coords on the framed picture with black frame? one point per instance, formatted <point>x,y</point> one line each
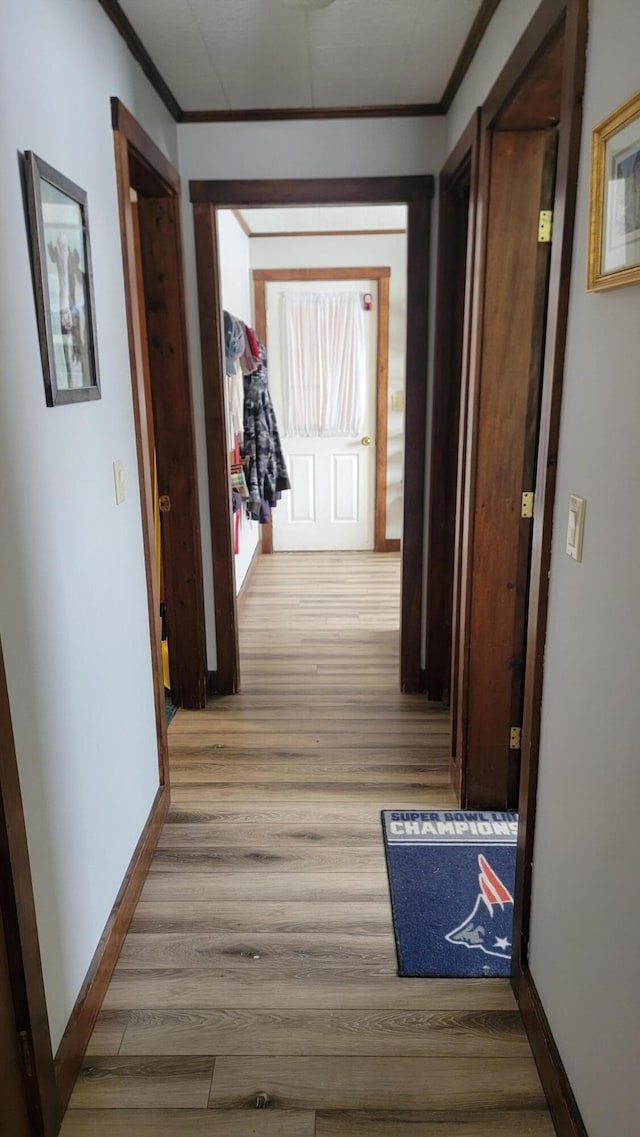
<point>63,283</point>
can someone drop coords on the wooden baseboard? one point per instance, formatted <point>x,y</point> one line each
<point>392,545</point>
<point>246,584</point>
<point>76,1036</point>
<point>555,1083</point>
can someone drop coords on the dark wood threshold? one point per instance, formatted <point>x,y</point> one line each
<point>555,1083</point>
<point>249,575</point>
<point>76,1036</point>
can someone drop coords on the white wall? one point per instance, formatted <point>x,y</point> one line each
<point>585,919</point>
<point>339,252</point>
<point>237,298</point>
<point>319,148</point>
<point>504,31</point>
<point>73,608</point>
<point>585,925</point>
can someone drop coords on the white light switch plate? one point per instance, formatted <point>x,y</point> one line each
<point>575,526</point>
<point>118,477</point>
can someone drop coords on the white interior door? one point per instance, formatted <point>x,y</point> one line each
<point>331,503</point>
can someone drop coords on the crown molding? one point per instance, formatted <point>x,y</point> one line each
<point>407,110</point>
<point>281,114</point>
<point>141,55</point>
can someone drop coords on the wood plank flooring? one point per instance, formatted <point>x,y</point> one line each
<point>256,994</point>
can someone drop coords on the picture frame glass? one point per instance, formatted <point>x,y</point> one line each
<point>621,237</point>
<point>67,302</point>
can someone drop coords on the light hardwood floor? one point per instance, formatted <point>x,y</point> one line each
<point>256,994</point>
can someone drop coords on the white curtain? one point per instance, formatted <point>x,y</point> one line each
<point>324,364</point>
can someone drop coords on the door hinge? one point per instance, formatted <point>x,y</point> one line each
<point>528,502</point>
<point>164,503</point>
<point>515,738</point>
<point>545,226</point>
<point>26,1053</point>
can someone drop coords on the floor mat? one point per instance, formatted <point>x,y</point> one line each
<point>451,878</point>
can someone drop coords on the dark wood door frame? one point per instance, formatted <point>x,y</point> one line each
<point>18,921</point>
<point>264,276</point>
<point>142,166</point>
<point>207,197</point>
<point>549,18</point>
<point>454,290</point>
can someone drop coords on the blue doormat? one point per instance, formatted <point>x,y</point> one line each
<point>451,878</point>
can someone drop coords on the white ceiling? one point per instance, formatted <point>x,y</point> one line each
<point>258,54</point>
<point>325,219</point>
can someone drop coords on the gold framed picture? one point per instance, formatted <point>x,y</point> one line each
<point>614,208</point>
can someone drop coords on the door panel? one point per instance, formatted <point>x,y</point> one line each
<point>331,504</point>
<point>503,410</point>
<point>345,491</point>
<point>301,498</point>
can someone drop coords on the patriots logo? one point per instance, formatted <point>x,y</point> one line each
<point>490,926</point>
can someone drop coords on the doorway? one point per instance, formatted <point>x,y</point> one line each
<point>532,119</point>
<point>207,198</point>
<point>149,202</point>
<point>358,465</point>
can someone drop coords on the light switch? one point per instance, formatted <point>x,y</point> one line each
<point>575,526</point>
<point>397,401</point>
<point>118,477</point>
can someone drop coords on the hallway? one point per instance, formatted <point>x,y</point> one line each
<point>256,994</point>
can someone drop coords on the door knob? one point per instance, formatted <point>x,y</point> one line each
<point>366,441</point>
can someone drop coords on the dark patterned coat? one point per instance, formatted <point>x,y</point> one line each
<point>265,468</point>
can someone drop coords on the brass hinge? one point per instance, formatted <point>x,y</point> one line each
<point>545,226</point>
<point>528,502</point>
<point>164,503</point>
<point>26,1053</point>
<point>515,738</point>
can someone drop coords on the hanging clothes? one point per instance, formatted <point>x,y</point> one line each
<point>265,466</point>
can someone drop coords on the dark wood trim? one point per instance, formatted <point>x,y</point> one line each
<point>242,223</point>
<point>275,114</point>
<point>249,575</point>
<point>18,919</point>
<point>331,233</point>
<point>392,545</point>
<point>455,243</point>
<point>141,55</point>
<point>553,1076</point>
<point>552,382</point>
<point>471,287</point>
<point>358,272</point>
<point>415,438</point>
<point>264,276</point>
<point>213,377</point>
<point>167,177</point>
<point>471,44</point>
<point>417,193</point>
<point>76,1036</point>
<point>142,429</point>
<point>175,453</point>
<point>539,33</point>
<point>163,404</point>
<point>313,191</point>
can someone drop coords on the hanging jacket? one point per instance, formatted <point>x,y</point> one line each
<point>265,467</point>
